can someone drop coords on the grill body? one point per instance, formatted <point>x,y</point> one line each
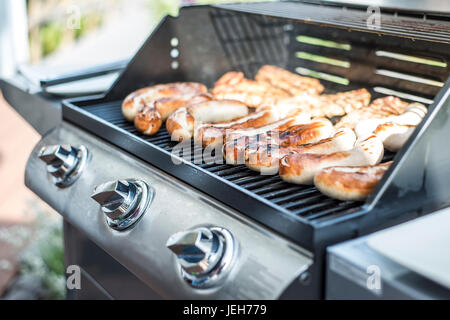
<point>214,40</point>
<point>407,57</point>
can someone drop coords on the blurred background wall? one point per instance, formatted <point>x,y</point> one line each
<point>14,47</point>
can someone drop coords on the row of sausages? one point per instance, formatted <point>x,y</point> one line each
<point>279,124</point>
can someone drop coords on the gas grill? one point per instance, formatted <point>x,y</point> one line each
<point>268,237</point>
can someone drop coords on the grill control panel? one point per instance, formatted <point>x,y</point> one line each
<point>123,201</point>
<point>219,253</point>
<point>205,254</point>
<point>65,163</point>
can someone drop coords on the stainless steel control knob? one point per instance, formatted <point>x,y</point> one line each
<point>64,163</point>
<point>205,254</point>
<point>123,201</point>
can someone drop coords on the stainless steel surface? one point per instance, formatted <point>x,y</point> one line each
<point>259,272</point>
<point>102,277</point>
<point>43,113</point>
<point>356,271</point>
<point>65,163</point>
<point>419,245</point>
<point>205,254</point>
<point>198,251</point>
<point>123,201</point>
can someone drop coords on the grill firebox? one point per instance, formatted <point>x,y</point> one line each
<point>403,58</point>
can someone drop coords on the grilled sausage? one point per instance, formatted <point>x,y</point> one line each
<point>289,106</point>
<point>341,103</point>
<point>314,131</point>
<point>413,115</point>
<point>327,105</point>
<point>288,81</point>
<point>379,108</point>
<point>136,100</point>
<point>394,135</point>
<point>211,134</point>
<point>234,86</point>
<point>150,118</point>
<point>350,183</point>
<point>236,142</point>
<point>180,124</point>
<point>237,150</point>
<point>266,160</point>
<point>301,168</point>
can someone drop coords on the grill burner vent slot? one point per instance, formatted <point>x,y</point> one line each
<point>361,61</point>
<point>322,76</point>
<point>404,57</point>
<point>402,95</point>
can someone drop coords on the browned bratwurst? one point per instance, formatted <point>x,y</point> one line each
<point>379,108</point>
<point>182,122</point>
<point>149,107</point>
<point>350,183</point>
<point>234,86</point>
<point>237,141</point>
<point>314,131</point>
<point>213,134</point>
<point>326,105</point>
<point>239,150</point>
<point>288,81</point>
<point>151,117</point>
<point>266,159</point>
<point>301,168</point>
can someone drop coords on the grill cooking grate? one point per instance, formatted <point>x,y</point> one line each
<point>304,201</point>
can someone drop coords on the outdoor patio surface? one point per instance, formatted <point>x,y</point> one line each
<point>17,203</point>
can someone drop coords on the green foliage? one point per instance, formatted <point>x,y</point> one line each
<point>51,250</point>
<point>45,257</point>
<point>80,31</point>
<point>51,36</point>
<point>159,8</point>
<point>87,23</point>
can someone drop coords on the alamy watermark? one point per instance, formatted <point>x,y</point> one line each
<point>73,279</point>
<point>373,281</point>
<point>373,20</point>
<point>74,17</point>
